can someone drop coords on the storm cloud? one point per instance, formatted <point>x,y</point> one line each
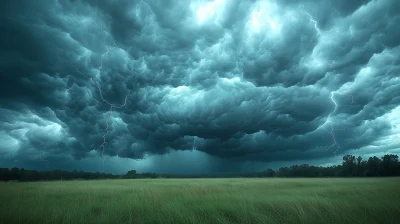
<point>225,81</point>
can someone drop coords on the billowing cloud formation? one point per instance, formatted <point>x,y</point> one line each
<point>241,80</point>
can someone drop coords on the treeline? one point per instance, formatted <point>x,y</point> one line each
<point>351,166</point>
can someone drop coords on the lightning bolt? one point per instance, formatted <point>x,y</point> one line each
<point>336,105</point>
<point>112,106</point>
<point>331,124</point>
<point>317,29</point>
<point>194,143</point>
<point>44,160</point>
<point>312,20</point>
<point>329,120</point>
<point>105,39</point>
<point>189,83</point>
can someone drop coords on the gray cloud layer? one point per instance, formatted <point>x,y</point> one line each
<point>249,80</point>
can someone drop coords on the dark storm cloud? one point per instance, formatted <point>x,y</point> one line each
<point>254,80</point>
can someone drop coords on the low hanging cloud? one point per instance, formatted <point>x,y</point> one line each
<point>266,81</point>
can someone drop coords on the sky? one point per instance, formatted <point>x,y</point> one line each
<point>172,86</point>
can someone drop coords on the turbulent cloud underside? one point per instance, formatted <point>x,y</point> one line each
<point>262,81</point>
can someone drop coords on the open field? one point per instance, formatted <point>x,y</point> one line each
<point>274,200</point>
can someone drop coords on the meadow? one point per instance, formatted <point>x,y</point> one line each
<point>241,200</point>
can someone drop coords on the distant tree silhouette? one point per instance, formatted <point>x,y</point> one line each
<point>360,166</point>
<point>351,166</point>
<point>372,167</point>
<point>131,174</point>
<point>389,165</point>
<point>270,173</point>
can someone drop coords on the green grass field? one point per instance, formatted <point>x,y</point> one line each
<point>274,200</point>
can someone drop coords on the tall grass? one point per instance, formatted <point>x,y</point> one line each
<point>358,200</point>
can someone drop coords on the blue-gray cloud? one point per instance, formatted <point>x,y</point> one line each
<point>240,80</point>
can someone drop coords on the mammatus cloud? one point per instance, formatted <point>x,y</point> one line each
<point>239,81</point>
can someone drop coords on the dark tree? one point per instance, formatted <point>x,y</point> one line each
<point>270,173</point>
<point>389,165</point>
<point>373,167</point>
<point>349,165</point>
<point>131,174</point>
